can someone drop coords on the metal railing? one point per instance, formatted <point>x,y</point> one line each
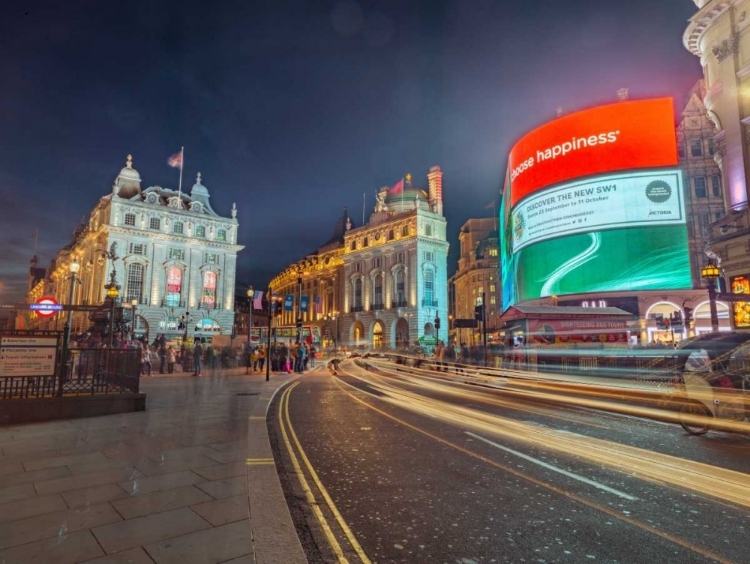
<point>429,303</point>
<point>356,309</point>
<point>88,372</point>
<point>399,303</point>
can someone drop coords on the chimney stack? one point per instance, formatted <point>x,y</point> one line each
<point>435,181</point>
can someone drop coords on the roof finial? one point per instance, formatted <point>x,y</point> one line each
<point>198,179</point>
<point>623,94</point>
<point>129,163</point>
<point>559,111</point>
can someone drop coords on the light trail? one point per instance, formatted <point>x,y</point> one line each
<point>727,485</point>
<point>592,504</point>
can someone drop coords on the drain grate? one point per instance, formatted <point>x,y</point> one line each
<point>248,394</point>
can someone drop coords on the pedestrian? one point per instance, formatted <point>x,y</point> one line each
<point>162,356</point>
<point>197,357</point>
<point>171,359</point>
<point>313,351</point>
<point>254,359</point>
<point>145,360</point>
<point>465,355</point>
<point>261,357</point>
<point>449,355</point>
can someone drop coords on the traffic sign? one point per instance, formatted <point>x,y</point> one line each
<point>46,307</point>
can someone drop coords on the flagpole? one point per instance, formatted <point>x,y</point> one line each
<point>363,208</point>
<point>403,187</point>
<point>36,240</point>
<point>182,164</point>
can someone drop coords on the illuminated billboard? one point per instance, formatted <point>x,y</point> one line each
<point>570,226</point>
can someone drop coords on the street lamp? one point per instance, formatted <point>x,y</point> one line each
<point>250,294</point>
<point>272,301</point>
<point>134,305</point>
<point>711,272</point>
<point>113,292</point>
<point>74,267</point>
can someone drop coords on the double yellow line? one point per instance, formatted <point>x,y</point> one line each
<point>285,424</point>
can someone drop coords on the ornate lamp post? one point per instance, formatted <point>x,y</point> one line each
<point>250,294</point>
<point>711,272</point>
<point>74,267</point>
<point>134,306</point>
<point>272,304</point>
<point>113,292</point>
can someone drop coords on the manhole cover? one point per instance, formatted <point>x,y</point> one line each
<point>248,394</point>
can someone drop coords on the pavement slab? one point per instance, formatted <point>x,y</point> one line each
<point>165,485</point>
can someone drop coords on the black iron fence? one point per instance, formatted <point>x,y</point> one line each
<point>88,372</point>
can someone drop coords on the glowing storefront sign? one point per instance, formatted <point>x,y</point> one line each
<point>741,310</point>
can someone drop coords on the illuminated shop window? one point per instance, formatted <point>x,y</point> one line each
<point>174,286</point>
<point>208,299</point>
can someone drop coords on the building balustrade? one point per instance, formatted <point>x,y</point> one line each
<point>399,303</point>
<point>356,309</point>
<point>429,303</point>
<point>172,303</point>
<point>378,306</point>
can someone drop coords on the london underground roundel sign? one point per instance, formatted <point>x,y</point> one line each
<point>46,307</point>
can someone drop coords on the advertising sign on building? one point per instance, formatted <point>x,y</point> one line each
<point>741,310</point>
<point>605,232</point>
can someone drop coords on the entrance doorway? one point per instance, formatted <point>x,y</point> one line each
<point>377,335</point>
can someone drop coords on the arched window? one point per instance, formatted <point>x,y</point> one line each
<point>400,288</point>
<point>208,298</point>
<point>174,286</point>
<point>358,294</point>
<point>134,282</point>
<point>378,292</point>
<point>429,289</point>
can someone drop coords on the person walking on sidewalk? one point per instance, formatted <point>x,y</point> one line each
<point>171,359</point>
<point>162,356</point>
<point>261,357</point>
<point>197,357</point>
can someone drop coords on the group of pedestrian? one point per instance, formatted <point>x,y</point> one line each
<point>294,357</point>
<point>455,355</point>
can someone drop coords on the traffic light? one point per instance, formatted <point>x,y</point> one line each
<point>479,313</point>
<point>688,311</point>
<point>437,323</point>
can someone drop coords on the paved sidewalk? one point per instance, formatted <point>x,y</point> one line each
<point>189,481</point>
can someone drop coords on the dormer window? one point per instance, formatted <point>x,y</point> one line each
<point>178,228</point>
<point>155,223</point>
<point>130,219</point>
<point>221,235</point>
<point>200,231</point>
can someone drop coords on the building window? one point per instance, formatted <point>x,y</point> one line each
<point>221,235</point>
<point>493,288</point>
<point>365,242</point>
<point>208,298</point>
<point>391,235</point>
<point>405,231</point>
<point>429,256</point>
<point>493,252</point>
<point>200,230</point>
<point>711,146</point>
<point>212,258</point>
<point>492,300</point>
<point>129,219</point>
<point>155,223</point>
<point>700,186</point>
<point>137,249</point>
<point>703,221</point>
<point>178,228</point>
<point>696,147</point>
<point>353,246</point>
<point>428,230</point>
<point>378,292</point>
<point>134,282</point>
<point>176,254</point>
<point>681,149</point>
<point>400,289</point>
<point>358,293</point>
<point>716,186</point>
<point>376,263</point>
<point>719,215</point>
<point>358,267</point>
<point>174,286</point>
<point>399,257</point>
<point>429,289</point>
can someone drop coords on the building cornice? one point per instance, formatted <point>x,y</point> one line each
<point>702,20</point>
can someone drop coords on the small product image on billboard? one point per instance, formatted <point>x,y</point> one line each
<point>741,285</point>
<point>594,212</point>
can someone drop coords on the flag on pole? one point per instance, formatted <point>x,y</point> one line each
<point>398,187</point>
<point>176,160</point>
<point>258,300</point>
<point>318,304</point>
<point>490,206</point>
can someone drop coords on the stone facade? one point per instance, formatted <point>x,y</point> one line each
<point>169,251</point>
<point>383,284</point>
<point>477,274</point>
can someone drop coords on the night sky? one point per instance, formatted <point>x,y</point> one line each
<point>294,109</point>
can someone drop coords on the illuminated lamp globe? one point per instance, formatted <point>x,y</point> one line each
<point>112,292</point>
<point>250,292</point>
<point>74,267</point>
<point>710,271</point>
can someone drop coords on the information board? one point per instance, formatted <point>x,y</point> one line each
<point>27,356</point>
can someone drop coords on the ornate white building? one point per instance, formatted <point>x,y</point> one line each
<point>169,251</point>
<point>384,283</point>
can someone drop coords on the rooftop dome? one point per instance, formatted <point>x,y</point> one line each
<point>128,181</point>
<point>407,194</point>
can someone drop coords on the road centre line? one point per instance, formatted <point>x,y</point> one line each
<point>555,468</point>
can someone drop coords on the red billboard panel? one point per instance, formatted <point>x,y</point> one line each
<point>622,136</point>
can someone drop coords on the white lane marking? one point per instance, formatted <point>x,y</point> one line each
<point>555,468</point>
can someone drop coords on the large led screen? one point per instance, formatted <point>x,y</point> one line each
<point>568,229</point>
